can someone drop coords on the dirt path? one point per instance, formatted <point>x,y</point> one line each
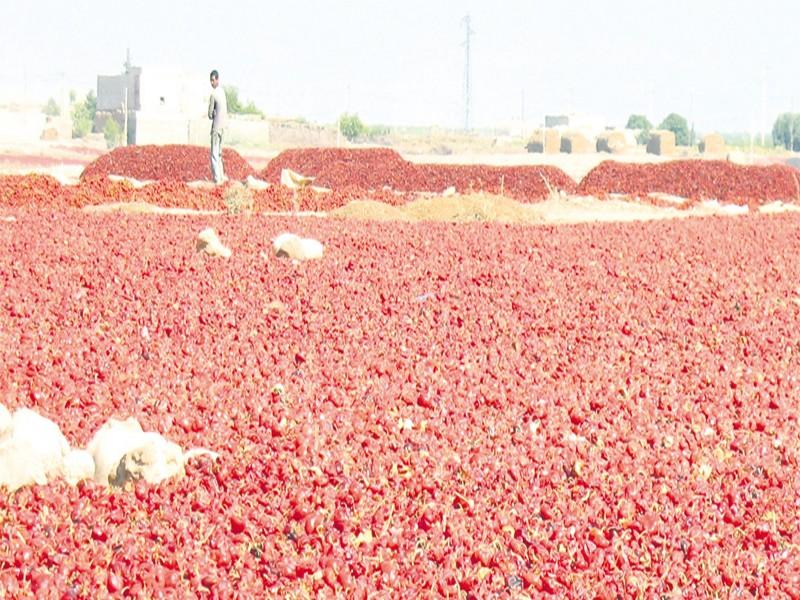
<point>561,210</point>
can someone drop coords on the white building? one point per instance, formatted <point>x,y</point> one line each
<point>167,106</point>
<point>588,125</point>
<point>161,104</point>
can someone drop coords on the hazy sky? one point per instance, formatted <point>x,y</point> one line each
<point>722,63</point>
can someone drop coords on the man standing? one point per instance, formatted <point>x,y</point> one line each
<point>218,113</point>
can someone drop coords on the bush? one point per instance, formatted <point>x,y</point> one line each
<point>677,125</point>
<point>644,126</point>
<point>786,131</point>
<point>639,122</point>
<point>81,121</point>
<point>83,115</point>
<point>238,199</point>
<point>51,109</point>
<point>113,133</point>
<point>235,106</point>
<point>375,132</point>
<point>643,137</point>
<point>91,103</point>
<point>351,126</point>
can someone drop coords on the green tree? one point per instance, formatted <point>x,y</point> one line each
<point>51,109</point>
<point>376,132</point>
<point>677,125</point>
<point>83,114</point>
<point>786,131</point>
<point>112,132</point>
<point>81,121</point>
<point>351,126</point>
<point>639,122</point>
<point>91,104</point>
<point>236,106</point>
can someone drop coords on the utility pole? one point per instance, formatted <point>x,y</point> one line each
<point>763,103</point>
<point>467,84</point>
<point>125,89</point>
<point>125,114</point>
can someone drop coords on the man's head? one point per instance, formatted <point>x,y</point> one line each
<point>214,78</point>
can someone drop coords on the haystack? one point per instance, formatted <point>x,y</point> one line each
<point>576,143</point>
<point>547,141</point>
<point>661,143</point>
<point>49,134</point>
<point>611,141</point>
<point>713,143</point>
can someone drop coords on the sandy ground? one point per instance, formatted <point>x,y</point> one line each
<point>62,159</point>
<point>554,211</point>
<point>560,210</point>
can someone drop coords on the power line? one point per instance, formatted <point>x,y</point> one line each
<point>467,84</point>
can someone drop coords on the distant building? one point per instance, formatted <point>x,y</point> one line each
<point>156,105</point>
<point>163,106</point>
<point>588,125</point>
<point>153,104</point>
<point>551,121</point>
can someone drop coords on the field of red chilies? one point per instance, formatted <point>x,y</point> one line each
<point>473,410</point>
<point>382,174</point>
